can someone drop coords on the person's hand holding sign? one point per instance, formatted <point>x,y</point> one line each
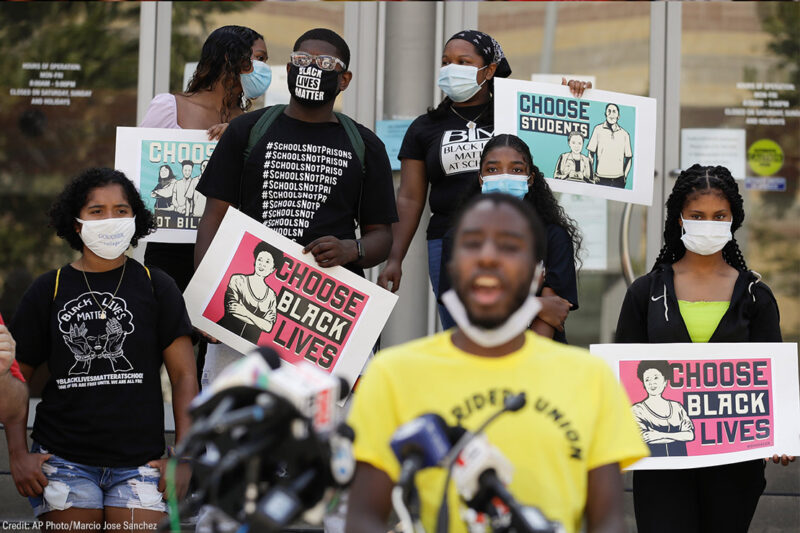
<point>576,87</point>
<point>781,459</point>
<point>329,251</point>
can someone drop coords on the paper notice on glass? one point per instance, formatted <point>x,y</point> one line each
<point>714,147</point>
<point>591,215</point>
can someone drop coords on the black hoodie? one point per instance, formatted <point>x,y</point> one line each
<point>650,312</point>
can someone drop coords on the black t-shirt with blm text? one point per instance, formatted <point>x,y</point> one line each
<point>102,404</point>
<point>452,154</point>
<point>302,179</point>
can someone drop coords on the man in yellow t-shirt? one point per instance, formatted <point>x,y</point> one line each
<point>567,443</point>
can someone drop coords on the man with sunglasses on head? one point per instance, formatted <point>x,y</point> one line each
<point>304,177</point>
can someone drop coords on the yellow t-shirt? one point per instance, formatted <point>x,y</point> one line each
<point>577,417</point>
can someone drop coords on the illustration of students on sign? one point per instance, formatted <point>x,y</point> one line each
<point>573,165</point>
<point>250,304</point>
<point>665,424</point>
<point>162,192</point>
<point>610,150</point>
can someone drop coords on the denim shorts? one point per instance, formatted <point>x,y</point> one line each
<point>96,487</point>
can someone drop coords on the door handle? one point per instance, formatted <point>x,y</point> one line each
<point>624,245</point>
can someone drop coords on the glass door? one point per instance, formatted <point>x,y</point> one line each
<point>609,44</point>
<point>68,78</point>
<point>740,104</point>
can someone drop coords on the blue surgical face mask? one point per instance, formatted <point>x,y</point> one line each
<point>514,185</point>
<point>255,83</point>
<point>459,82</point>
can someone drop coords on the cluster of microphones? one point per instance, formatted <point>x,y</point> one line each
<point>479,471</point>
<point>268,448</point>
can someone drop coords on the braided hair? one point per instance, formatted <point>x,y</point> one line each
<point>539,194</point>
<point>694,181</point>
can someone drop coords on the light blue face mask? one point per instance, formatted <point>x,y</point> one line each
<point>459,82</point>
<point>506,183</point>
<point>255,83</point>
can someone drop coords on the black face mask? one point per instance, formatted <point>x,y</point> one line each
<point>313,86</point>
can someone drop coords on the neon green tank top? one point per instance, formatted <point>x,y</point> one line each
<point>702,318</point>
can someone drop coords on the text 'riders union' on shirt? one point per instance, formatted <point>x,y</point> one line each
<point>302,179</point>
<point>577,417</point>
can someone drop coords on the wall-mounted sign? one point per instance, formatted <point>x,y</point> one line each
<point>50,84</point>
<point>714,147</point>
<point>765,157</point>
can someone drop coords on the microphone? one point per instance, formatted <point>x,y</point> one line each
<point>418,444</point>
<point>511,403</point>
<point>343,462</point>
<point>481,474</point>
<point>270,439</point>
<point>243,380</point>
<point>421,443</point>
<point>477,458</point>
<point>311,391</point>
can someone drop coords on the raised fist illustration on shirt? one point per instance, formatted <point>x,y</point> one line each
<point>115,336</point>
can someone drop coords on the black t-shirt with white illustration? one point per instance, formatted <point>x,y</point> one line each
<point>102,404</point>
<point>452,154</point>
<point>302,179</point>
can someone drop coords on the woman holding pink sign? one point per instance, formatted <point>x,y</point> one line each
<point>700,290</point>
<point>251,305</point>
<point>665,424</point>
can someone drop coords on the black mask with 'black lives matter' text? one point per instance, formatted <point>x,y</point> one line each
<point>313,86</point>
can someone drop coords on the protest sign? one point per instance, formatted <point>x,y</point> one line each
<point>256,287</point>
<point>708,404</point>
<point>165,165</point>
<point>600,145</point>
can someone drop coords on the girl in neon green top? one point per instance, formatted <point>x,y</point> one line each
<point>700,290</point>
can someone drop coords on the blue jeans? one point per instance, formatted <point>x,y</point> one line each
<point>434,270</point>
<point>96,487</point>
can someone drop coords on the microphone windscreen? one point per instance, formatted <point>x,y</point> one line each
<point>515,402</point>
<point>346,431</point>
<point>454,433</point>
<point>270,356</point>
<point>344,388</point>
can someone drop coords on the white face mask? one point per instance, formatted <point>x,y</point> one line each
<point>459,82</point>
<point>515,324</point>
<point>705,237</point>
<point>108,237</point>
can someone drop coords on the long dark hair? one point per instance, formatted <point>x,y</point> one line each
<point>170,177</point>
<point>225,54</point>
<point>539,194</point>
<point>701,180</point>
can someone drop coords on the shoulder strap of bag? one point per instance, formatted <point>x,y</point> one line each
<point>358,145</point>
<point>260,128</point>
<point>256,132</point>
<point>55,289</point>
<point>354,137</point>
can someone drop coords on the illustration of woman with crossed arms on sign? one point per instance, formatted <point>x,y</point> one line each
<point>250,304</point>
<point>666,426</point>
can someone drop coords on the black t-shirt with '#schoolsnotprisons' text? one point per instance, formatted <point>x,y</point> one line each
<point>451,152</point>
<point>302,179</point>
<point>102,405</point>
